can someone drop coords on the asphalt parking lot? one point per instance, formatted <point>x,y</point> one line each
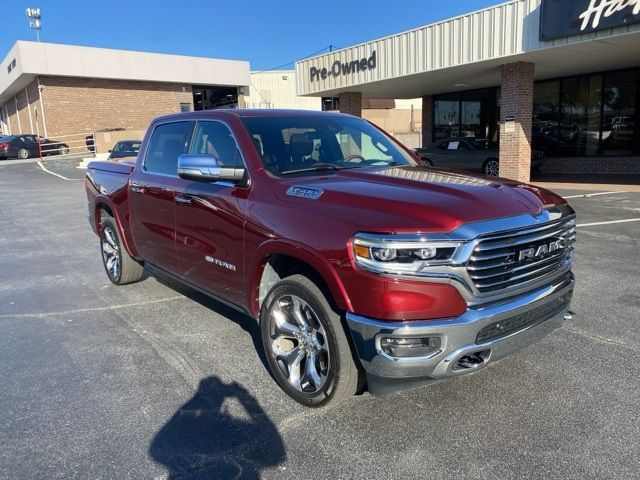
<point>153,381</point>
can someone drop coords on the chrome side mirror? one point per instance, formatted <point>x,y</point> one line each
<point>205,168</point>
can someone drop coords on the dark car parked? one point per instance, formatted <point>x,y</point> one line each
<point>124,149</point>
<point>470,154</point>
<point>25,146</point>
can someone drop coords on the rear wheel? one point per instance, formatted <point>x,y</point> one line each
<point>306,345</point>
<point>23,153</point>
<point>63,150</point>
<point>121,268</point>
<point>427,162</point>
<point>491,167</point>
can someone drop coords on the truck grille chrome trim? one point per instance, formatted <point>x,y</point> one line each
<point>513,258</point>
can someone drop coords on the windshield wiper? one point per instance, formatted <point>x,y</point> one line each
<point>317,167</point>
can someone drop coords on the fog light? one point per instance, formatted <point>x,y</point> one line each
<point>406,347</point>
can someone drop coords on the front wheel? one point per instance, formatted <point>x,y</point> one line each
<point>306,345</point>
<point>491,167</point>
<point>63,150</point>
<point>121,268</point>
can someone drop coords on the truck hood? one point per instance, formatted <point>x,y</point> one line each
<point>416,198</point>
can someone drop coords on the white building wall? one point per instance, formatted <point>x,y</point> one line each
<point>494,33</point>
<point>25,60</point>
<point>277,89</point>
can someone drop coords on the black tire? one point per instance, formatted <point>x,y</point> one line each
<point>427,162</point>
<point>63,150</point>
<point>491,167</point>
<point>341,377</point>
<point>23,153</point>
<point>128,269</point>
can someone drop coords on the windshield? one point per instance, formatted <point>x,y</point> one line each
<point>127,147</point>
<point>302,144</point>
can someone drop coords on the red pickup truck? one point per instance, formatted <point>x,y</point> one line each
<point>361,265</point>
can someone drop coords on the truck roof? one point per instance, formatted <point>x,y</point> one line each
<point>242,112</point>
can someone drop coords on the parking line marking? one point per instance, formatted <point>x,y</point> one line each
<point>587,195</point>
<point>628,220</point>
<point>94,309</point>
<point>53,173</point>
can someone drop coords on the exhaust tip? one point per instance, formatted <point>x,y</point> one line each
<point>568,315</point>
<point>472,360</point>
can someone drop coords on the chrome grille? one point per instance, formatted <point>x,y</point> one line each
<point>497,261</point>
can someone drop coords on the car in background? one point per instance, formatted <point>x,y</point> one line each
<point>470,154</point>
<point>26,146</point>
<point>125,149</point>
<point>89,140</point>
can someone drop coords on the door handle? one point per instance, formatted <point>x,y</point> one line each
<point>183,200</point>
<point>136,187</point>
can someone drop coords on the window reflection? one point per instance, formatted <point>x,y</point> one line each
<point>576,116</point>
<point>587,115</point>
<point>619,130</point>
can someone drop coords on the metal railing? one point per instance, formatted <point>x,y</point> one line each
<point>76,144</point>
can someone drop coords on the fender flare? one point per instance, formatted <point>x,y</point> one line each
<point>125,235</point>
<point>300,252</point>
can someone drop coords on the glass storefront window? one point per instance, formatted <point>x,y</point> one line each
<point>546,117</point>
<point>585,115</point>
<point>446,110</point>
<point>469,114</point>
<point>619,126</point>
<point>594,114</point>
<point>573,123</point>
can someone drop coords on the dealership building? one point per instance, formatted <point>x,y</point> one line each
<point>60,90</point>
<point>560,76</point>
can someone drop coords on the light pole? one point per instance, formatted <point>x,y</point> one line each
<point>34,20</point>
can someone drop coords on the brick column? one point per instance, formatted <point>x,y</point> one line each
<point>241,100</point>
<point>517,103</point>
<point>351,103</point>
<point>427,121</point>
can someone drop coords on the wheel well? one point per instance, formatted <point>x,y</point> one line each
<point>278,267</point>
<point>102,207</point>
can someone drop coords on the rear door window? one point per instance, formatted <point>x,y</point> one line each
<point>168,141</point>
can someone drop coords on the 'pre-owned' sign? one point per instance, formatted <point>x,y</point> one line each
<point>565,18</point>
<point>339,68</point>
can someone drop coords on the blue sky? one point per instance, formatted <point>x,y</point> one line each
<point>266,33</point>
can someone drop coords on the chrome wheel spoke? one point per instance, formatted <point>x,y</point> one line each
<point>108,234</point>
<point>116,267</point>
<point>293,360</point>
<point>282,326</point>
<point>107,249</point>
<point>311,371</point>
<point>299,313</point>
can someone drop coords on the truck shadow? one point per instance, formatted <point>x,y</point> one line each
<point>220,433</point>
<point>248,324</point>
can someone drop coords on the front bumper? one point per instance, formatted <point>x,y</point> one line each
<point>484,333</point>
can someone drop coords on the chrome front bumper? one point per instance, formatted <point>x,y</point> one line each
<point>524,321</point>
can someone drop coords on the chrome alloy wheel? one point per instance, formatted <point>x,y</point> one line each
<point>111,253</point>
<point>298,343</point>
<point>492,168</point>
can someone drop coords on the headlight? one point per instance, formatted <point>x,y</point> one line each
<point>396,254</point>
